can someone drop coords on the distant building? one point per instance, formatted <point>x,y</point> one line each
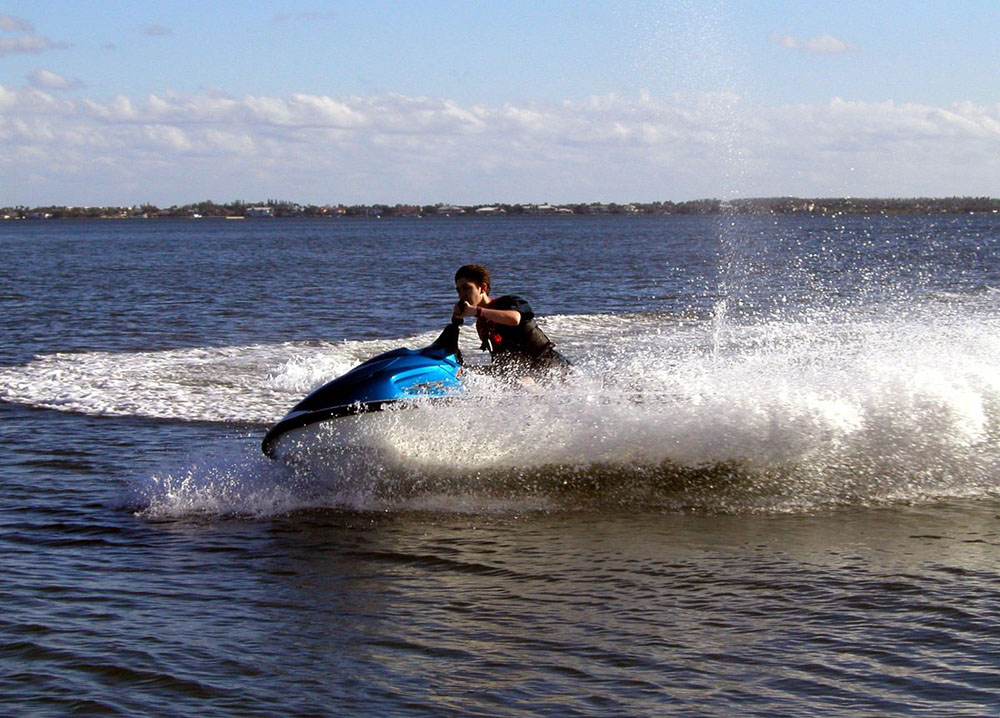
<point>546,209</point>
<point>448,210</point>
<point>259,212</point>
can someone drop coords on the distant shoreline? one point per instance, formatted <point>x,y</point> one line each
<point>272,209</point>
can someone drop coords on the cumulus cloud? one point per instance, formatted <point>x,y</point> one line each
<point>48,80</point>
<point>26,41</point>
<point>417,149</point>
<point>821,45</point>
<point>25,44</point>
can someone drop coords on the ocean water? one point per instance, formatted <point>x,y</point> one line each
<point>770,486</point>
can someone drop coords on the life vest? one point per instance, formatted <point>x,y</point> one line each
<point>526,339</point>
<point>525,344</point>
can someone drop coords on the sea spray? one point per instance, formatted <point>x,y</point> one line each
<point>793,416</point>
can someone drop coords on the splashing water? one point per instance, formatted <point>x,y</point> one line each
<point>815,364</point>
<point>774,416</point>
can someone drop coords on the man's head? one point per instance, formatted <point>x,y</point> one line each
<point>472,282</point>
<point>476,273</point>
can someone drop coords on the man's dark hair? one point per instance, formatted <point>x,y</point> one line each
<point>475,272</point>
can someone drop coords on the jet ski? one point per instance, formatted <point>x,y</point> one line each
<point>397,376</point>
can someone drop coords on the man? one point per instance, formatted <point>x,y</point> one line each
<point>506,325</point>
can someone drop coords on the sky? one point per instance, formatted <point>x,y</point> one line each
<point>117,102</point>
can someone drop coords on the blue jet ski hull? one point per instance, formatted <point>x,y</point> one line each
<point>396,376</point>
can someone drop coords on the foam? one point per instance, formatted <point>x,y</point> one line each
<point>901,405</point>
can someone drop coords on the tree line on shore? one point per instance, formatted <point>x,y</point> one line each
<point>284,208</point>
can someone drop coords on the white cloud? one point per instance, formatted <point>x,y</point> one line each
<point>26,41</point>
<point>168,138</point>
<point>8,98</point>
<point>119,108</point>
<point>786,41</point>
<point>821,45</point>
<point>25,44</point>
<point>48,80</point>
<point>828,45</point>
<point>9,23</point>
<point>182,147</point>
<point>34,102</point>
<point>236,143</point>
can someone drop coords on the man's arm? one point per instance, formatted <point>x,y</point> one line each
<point>508,317</point>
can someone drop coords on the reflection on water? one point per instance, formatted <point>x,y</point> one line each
<point>619,610</point>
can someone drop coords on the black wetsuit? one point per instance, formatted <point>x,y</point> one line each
<point>521,346</point>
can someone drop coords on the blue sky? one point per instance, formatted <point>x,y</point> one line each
<point>123,102</point>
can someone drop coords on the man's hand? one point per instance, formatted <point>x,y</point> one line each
<point>463,309</point>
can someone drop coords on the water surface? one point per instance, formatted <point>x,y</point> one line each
<point>770,488</point>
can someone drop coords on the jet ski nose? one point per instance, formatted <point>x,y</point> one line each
<point>400,375</point>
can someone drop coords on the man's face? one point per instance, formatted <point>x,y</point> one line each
<point>470,291</point>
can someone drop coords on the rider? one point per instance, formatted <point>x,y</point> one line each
<point>506,325</point>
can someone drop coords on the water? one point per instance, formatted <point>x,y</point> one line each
<point>770,489</point>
